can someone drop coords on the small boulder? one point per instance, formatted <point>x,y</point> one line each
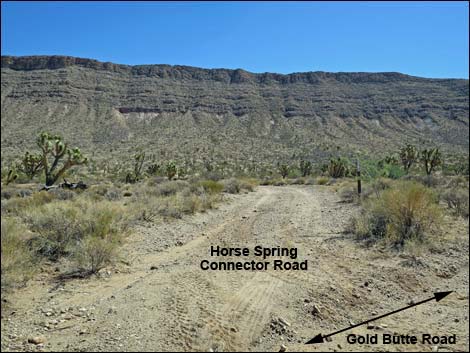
<point>37,340</point>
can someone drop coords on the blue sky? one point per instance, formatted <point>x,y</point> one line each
<point>423,39</point>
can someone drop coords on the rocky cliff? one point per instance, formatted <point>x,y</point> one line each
<point>180,111</point>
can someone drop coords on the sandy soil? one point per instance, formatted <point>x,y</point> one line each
<point>161,300</point>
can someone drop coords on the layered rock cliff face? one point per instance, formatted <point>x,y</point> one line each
<point>180,111</point>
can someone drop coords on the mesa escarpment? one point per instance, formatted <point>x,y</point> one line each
<point>226,114</point>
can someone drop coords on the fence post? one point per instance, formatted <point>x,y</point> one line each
<point>358,172</point>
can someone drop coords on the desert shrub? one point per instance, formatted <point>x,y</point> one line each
<point>405,212</point>
<point>168,207</point>
<point>309,181</point>
<point>175,199</point>
<point>16,205</point>
<point>63,194</point>
<point>458,181</point>
<point>461,167</point>
<point>100,189</point>
<point>169,188</point>
<point>16,259</point>
<point>392,172</point>
<point>213,175</point>
<point>188,204</point>
<point>208,201</point>
<point>232,186</point>
<point>296,181</point>
<point>279,182</point>
<point>95,252</point>
<point>211,186</point>
<point>24,193</point>
<point>379,185</point>
<point>348,194</point>
<point>266,181</point>
<point>431,181</point>
<point>113,194</point>
<point>457,201</point>
<point>7,194</point>
<point>248,184</point>
<point>61,226</point>
<point>156,180</point>
<point>322,180</point>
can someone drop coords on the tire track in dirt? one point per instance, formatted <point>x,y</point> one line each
<point>247,312</point>
<point>178,307</point>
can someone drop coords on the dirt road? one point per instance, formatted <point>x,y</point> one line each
<point>163,301</point>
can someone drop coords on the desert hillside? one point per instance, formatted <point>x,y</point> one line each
<point>226,115</point>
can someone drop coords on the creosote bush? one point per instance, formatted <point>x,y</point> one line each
<point>457,201</point>
<point>67,228</point>
<point>232,186</point>
<point>407,212</point>
<point>322,180</point>
<point>17,259</point>
<point>211,186</point>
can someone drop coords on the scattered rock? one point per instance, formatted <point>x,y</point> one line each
<point>315,310</point>
<point>283,348</point>
<point>37,340</point>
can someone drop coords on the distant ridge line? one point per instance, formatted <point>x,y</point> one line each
<point>54,62</point>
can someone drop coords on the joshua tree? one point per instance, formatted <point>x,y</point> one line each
<point>408,155</point>
<point>337,168</point>
<point>11,176</point>
<point>136,174</point>
<point>283,170</point>
<point>431,158</point>
<point>305,168</point>
<point>170,170</point>
<point>54,151</point>
<point>153,167</point>
<point>31,164</point>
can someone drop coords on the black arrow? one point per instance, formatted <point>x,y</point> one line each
<point>320,338</point>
